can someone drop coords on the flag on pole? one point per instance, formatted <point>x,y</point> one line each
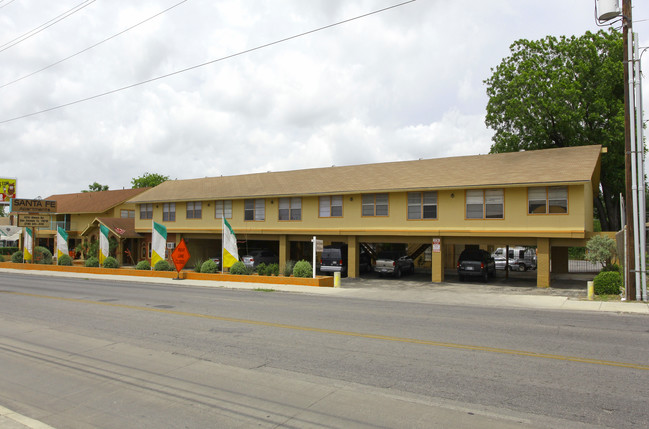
<point>103,243</point>
<point>28,247</point>
<point>158,243</point>
<point>61,243</point>
<point>230,251</point>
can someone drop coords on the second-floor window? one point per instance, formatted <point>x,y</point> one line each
<point>290,208</point>
<point>550,199</point>
<point>223,209</point>
<point>485,204</point>
<point>254,209</point>
<point>146,211</point>
<point>422,205</point>
<point>127,213</point>
<point>331,206</point>
<point>194,210</point>
<point>375,205</point>
<point>169,212</point>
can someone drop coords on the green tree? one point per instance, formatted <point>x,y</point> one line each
<point>601,248</point>
<point>96,187</point>
<point>564,92</point>
<point>148,180</point>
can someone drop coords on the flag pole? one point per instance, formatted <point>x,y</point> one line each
<point>222,242</point>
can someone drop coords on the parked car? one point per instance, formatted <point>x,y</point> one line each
<point>476,263</point>
<point>256,257</point>
<point>334,259</point>
<point>394,264</point>
<point>365,262</point>
<point>501,263</point>
<point>520,258</point>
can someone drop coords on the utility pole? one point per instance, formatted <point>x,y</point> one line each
<point>629,267</point>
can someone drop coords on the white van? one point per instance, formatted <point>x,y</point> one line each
<point>520,258</point>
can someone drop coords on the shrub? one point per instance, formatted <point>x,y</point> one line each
<point>209,266</point>
<point>17,257</point>
<point>111,262</point>
<point>92,262</point>
<point>198,266</point>
<point>272,270</point>
<point>613,267</point>
<point>143,265</point>
<point>42,256</point>
<point>608,283</point>
<point>288,269</point>
<point>65,260</point>
<point>8,251</point>
<point>302,269</point>
<point>163,266</point>
<point>601,248</point>
<point>239,268</point>
<point>261,269</point>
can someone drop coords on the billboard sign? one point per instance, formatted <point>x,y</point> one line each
<point>7,190</point>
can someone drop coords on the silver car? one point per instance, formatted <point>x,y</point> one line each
<point>256,257</point>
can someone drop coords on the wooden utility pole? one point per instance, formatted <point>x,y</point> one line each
<point>629,266</point>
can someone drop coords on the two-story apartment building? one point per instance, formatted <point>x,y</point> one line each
<point>536,198</point>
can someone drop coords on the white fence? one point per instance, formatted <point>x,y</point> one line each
<point>576,266</point>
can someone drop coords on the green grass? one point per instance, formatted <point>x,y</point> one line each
<point>607,298</point>
<point>264,290</point>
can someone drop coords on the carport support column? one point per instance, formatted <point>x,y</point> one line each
<point>283,251</point>
<point>352,256</point>
<point>437,262</point>
<point>543,262</point>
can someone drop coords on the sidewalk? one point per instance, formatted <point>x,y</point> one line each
<point>449,293</point>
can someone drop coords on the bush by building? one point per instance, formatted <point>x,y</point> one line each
<point>92,262</point>
<point>65,260</point>
<point>302,269</point>
<point>209,267</point>
<point>163,266</point>
<point>143,265</point>
<point>111,262</point>
<point>17,257</point>
<point>608,283</point>
<point>42,256</point>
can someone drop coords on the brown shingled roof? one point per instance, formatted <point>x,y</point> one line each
<point>93,202</point>
<point>549,166</point>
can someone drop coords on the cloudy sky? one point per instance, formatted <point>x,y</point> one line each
<point>402,84</point>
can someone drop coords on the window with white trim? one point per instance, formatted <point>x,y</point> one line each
<point>223,208</point>
<point>422,205</point>
<point>331,206</point>
<point>146,211</point>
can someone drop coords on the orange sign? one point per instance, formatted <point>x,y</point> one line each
<point>180,255</point>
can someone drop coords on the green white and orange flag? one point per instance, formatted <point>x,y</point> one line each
<point>28,248</point>
<point>61,242</point>
<point>103,243</point>
<point>230,251</point>
<point>158,243</point>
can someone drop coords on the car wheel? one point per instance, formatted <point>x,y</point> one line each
<point>397,273</point>
<point>521,267</point>
<point>485,276</point>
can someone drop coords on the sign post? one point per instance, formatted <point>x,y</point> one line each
<point>29,215</point>
<point>180,256</point>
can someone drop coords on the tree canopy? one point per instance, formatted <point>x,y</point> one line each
<point>96,187</point>
<point>148,180</point>
<point>564,92</point>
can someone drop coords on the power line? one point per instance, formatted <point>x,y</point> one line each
<point>46,25</point>
<point>207,63</point>
<point>6,4</point>
<point>92,46</point>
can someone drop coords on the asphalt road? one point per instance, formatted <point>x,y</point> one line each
<point>90,353</point>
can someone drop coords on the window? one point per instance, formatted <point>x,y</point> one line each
<point>375,205</point>
<point>331,206</point>
<point>223,209</point>
<point>544,200</point>
<point>194,210</point>
<point>146,211</point>
<point>127,213</point>
<point>169,212</point>
<point>485,204</point>
<point>422,205</point>
<point>254,209</point>
<point>290,208</point>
